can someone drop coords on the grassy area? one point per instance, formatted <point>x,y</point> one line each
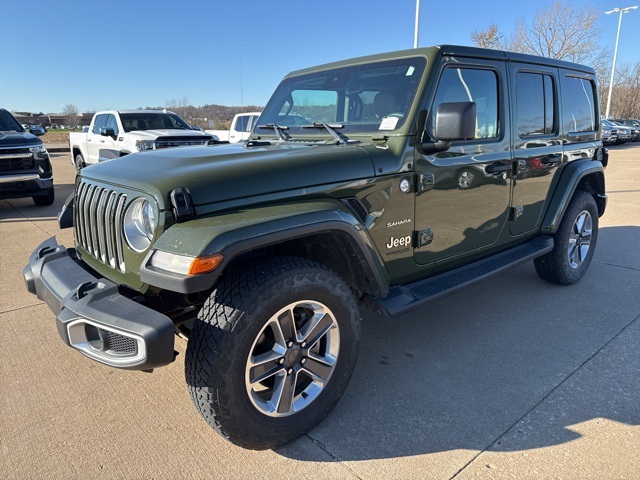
<point>57,136</point>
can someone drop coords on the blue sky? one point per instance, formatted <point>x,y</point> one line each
<point>128,54</point>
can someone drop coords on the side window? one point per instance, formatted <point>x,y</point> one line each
<point>535,104</point>
<point>241,124</point>
<point>100,122</point>
<point>112,123</point>
<point>579,105</point>
<point>471,85</point>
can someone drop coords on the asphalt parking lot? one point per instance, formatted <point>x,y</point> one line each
<point>512,378</point>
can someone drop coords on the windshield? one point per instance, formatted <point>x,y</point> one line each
<point>152,121</point>
<point>372,97</point>
<point>8,123</point>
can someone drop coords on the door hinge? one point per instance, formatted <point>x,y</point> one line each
<point>423,237</point>
<point>517,212</point>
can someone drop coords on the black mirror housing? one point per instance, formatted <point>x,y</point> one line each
<point>455,121</point>
<point>108,132</point>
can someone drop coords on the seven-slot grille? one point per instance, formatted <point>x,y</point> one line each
<point>98,215</point>
<point>15,158</point>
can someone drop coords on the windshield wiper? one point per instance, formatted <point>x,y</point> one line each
<point>331,128</point>
<point>276,128</point>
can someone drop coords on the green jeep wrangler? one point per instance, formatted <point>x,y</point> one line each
<point>387,181</point>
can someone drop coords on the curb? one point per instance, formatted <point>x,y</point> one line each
<point>56,147</point>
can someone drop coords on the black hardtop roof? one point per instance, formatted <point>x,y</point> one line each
<point>452,50</point>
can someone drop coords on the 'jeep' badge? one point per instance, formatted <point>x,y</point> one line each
<point>399,242</point>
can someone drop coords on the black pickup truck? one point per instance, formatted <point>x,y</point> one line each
<point>25,167</point>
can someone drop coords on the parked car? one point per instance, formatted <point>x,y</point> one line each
<point>624,133</point>
<point>116,133</point>
<point>25,167</point>
<point>633,124</point>
<point>609,134</point>
<point>241,127</point>
<point>263,253</point>
<point>37,130</point>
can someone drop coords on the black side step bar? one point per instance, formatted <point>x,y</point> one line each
<point>403,298</point>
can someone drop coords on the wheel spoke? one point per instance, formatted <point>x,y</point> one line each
<point>580,223</point>
<point>316,328</point>
<point>317,369</point>
<point>287,326</point>
<point>283,392</point>
<point>264,366</point>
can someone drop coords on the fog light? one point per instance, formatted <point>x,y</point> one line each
<point>93,337</point>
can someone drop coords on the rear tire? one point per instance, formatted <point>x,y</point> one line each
<point>575,242</point>
<point>286,325</point>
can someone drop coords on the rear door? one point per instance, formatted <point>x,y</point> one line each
<point>537,142</point>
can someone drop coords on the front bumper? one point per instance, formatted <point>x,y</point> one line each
<point>23,185</point>
<point>93,317</point>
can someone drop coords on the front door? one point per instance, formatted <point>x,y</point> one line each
<point>464,202</point>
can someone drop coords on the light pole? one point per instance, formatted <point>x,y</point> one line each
<point>615,52</point>
<point>415,35</point>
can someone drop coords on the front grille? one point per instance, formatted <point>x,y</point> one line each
<point>170,142</point>
<point>16,158</point>
<point>98,215</point>
<point>119,344</point>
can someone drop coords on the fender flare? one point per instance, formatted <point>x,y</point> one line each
<point>232,240</point>
<point>572,175</point>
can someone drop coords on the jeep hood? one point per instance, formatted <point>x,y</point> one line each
<point>235,171</point>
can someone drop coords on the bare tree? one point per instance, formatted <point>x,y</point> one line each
<point>625,99</point>
<point>560,31</point>
<point>182,107</point>
<point>489,38</point>
<point>70,112</point>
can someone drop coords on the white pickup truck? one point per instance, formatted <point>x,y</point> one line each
<point>115,133</point>
<point>241,127</point>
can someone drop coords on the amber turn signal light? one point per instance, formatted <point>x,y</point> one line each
<point>204,264</point>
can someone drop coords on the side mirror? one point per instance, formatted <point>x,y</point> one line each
<point>108,132</point>
<point>453,121</point>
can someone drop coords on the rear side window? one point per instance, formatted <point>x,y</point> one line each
<point>579,105</point>
<point>535,104</point>
<point>471,85</point>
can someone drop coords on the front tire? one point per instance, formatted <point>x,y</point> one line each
<point>78,161</point>
<point>46,199</point>
<point>272,351</point>
<point>575,242</point>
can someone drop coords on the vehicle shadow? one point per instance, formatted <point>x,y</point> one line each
<point>462,372</point>
<point>24,210</point>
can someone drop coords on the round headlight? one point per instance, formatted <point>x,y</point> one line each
<point>139,224</point>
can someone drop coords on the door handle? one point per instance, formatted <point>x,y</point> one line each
<point>551,159</point>
<point>497,168</point>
